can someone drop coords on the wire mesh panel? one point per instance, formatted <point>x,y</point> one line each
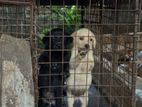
<point>16,19</point>
<point>115,24</point>
<point>116,55</point>
<point>94,66</point>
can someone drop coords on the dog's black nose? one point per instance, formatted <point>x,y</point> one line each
<point>87,46</point>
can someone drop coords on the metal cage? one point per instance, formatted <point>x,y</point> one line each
<point>44,23</point>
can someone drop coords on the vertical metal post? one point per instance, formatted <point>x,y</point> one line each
<point>134,70</point>
<point>33,51</point>
<point>82,16</point>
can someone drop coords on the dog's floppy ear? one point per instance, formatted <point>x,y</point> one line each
<point>69,39</point>
<point>93,41</point>
<point>74,34</point>
<point>46,42</point>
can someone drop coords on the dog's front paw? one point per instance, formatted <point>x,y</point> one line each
<point>83,54</point>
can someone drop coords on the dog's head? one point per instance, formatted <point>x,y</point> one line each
<point>84,39</point>
<point>57,38</point>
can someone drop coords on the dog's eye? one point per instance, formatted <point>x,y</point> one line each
<point>81,38</point>
<point>91,39</point>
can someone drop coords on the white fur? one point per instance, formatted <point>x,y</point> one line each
<point>81,66</point>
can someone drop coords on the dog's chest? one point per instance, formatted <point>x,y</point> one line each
<point>85,67</point>
<point>79,81</point>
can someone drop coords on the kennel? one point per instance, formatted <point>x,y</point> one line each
<point>116,24</point>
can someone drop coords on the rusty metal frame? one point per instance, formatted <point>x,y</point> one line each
<point>31,5</point>
<point>15,2</point>
<point>34,49</point>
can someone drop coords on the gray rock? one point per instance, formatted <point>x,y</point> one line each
<point>17,89</point>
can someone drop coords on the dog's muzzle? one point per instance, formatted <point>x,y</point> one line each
<point>83,51</point>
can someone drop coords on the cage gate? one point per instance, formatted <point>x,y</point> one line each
<point>115,24</point>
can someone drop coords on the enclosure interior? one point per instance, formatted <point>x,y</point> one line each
<point>115,24</point>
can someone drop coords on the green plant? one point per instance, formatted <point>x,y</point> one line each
<point>69,16</point>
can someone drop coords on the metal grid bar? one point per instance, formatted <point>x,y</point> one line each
<point>102,18</point>
<point>8,2</point>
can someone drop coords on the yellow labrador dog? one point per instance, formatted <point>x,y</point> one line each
<point>81,65</point>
